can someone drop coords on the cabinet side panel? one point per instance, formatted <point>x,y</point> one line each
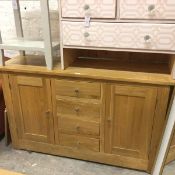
<point>10,108</point>
<point>159,122</point>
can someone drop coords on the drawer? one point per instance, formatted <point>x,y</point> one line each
<point>77,126</point>
<point>80,143</point>
<point>147,9</point>
<point>120,35</point>
<point>95,8</point>
<point>79,89</point>
<point>82,110</point>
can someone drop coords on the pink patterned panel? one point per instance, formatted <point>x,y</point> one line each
<point>120,35</point>
<point>96,8</point>
<point>147,9</point>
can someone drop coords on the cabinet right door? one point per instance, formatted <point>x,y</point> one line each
<point>129,120</point>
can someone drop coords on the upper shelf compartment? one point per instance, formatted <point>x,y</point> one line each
<point>92,8</point>
<point>147,9</point>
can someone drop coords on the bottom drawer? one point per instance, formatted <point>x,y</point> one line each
<point>80,143</point>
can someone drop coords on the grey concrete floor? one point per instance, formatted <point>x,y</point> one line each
<point>42,164</point>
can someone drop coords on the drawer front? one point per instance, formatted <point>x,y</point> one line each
<point>77,126</point>
<point>81,110</point>
<point>147,9</point>
<point>80,143</point>
<point>78,89</point>
<point>120,35</point>
<point>95,8</point>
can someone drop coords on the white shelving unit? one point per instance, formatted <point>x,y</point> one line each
<point>27,45</point>
<point>20,44</point>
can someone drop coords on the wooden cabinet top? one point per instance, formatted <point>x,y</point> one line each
<point>96,73</point>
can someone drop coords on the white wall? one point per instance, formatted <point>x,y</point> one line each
<point>31,17</point>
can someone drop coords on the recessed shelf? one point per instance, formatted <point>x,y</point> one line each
<point>120,61</point>
<point>26,45</point>
<point>123,65</point>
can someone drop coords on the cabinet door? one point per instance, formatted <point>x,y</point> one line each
<point>32,104</point>
<point>129,119</point>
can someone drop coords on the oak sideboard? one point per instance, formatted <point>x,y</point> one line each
<point>108,116</point>
<point>108,98</point>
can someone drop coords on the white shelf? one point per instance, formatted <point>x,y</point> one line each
<point>26,45</point>
<point>20,44</point>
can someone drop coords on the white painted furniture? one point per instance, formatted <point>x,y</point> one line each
<point>118,25</point>
<point>21,44</point>
<point>97,8</point>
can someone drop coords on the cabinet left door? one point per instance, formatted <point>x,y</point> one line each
<point>32,108</point>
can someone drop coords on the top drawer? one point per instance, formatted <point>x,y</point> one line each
<point>78,89</point>
<point>95,8</point>
<point>147,9</point>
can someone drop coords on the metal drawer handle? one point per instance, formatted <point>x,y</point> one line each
<point>109,119</point>
<point>77,109</point>
<point>78,144</point>
<point>151,8</point>
<point>86,34</point>
<point>86,7</point>
<point>147,38</point>
<point>78,128</point>
<point>77,91</point>
<point>47,113</point>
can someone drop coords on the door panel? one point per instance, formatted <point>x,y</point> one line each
<point>129,120</point>
<point>32,101</point>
